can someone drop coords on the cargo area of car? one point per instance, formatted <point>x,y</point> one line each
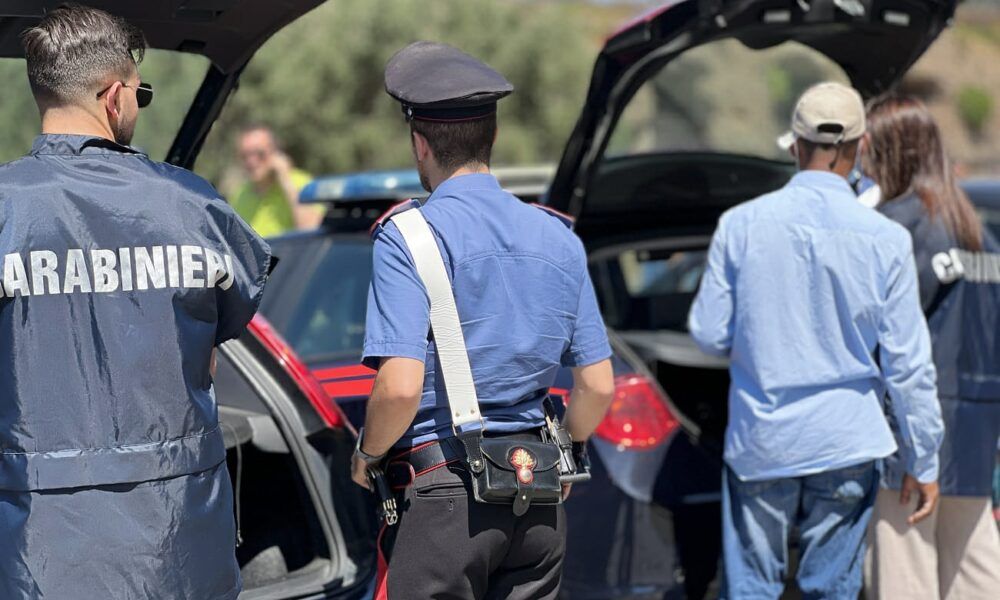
<point>279,535</point>
<point>275,516</point>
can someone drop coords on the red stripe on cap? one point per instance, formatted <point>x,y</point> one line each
<point>342,372</point>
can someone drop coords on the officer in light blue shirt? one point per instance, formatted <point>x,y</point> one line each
<point>814,299</point>
<point>527,307</point>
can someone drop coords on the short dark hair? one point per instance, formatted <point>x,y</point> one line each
<point>848,148</point>
<point>456,144</point>
<point>75,48</point>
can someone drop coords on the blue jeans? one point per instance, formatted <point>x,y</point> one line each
<point>831,511</point>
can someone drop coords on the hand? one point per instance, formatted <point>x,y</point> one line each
<point>566,487</point>
<point>280,164</point>
<point>928,493</point>
<point>359,472</point>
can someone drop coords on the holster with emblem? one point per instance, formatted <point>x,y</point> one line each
<point>515,471</point>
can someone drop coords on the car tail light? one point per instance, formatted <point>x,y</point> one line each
<point>639,417</point>
<point>297,370</point>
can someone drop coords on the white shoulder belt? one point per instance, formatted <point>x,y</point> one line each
<point>447,328</point>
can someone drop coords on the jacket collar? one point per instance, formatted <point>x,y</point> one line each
<point>75,145</point>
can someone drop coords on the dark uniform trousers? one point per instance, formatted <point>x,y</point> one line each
<point>448,546</point>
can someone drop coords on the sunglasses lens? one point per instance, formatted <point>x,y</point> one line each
<point>144,94</point>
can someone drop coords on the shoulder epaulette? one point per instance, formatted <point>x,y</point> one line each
<point>565,219</point>
<point>395,210</point>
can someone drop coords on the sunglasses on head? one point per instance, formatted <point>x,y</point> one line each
<point>143,93</point>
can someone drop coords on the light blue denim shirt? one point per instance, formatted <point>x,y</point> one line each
<point>814,299</point>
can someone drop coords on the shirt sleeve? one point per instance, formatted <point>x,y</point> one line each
<point>908,369</point>
<point>589,342</point>
<point>711,318</point>
<point>246,259</point>
<point>398,318</point>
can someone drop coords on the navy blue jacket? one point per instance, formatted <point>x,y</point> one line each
<point>960,294</point>
<point>119,276</point>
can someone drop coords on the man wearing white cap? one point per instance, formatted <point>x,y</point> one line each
<point>813,297</point>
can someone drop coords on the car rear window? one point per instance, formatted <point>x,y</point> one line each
<point>991,218</point>
<point>721,97</point>
<point>328,320</point>
<point>648,289</point>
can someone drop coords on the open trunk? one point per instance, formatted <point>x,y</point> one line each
<point>873,42</point>
<point>647,175</point>
<point>304,529</point>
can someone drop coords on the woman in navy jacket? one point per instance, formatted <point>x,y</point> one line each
<point>955,553</point>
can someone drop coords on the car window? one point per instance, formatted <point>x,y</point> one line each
<point>648,289</point>
<point>985,196</point>
<point>175,78</point>
<point>648,273</point>
<point>698,101</point>
<point>328,321</point>
<point>991,218</point>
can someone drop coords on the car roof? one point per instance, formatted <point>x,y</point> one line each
<point>358,187</point>
<point>227,32</point>
<point>403,184</point>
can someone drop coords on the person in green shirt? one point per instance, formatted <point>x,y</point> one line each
<point>269,200</point>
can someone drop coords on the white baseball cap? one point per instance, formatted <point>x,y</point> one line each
<point>827,113</point>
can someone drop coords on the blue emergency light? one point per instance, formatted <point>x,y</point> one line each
<point>356,188</point>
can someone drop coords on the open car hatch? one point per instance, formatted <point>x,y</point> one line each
<point>227,32</point>
<point>873,41</point>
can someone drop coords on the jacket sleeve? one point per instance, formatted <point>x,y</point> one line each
<point>711,319</point>
<point>908,369</point>
<point>246,260</point>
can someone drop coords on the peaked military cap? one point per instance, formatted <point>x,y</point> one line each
<point>438,82</point>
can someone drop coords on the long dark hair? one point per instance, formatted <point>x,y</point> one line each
<point>904,154</point>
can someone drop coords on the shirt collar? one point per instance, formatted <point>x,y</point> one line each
<point>822,179</point>
<point>465,183</point>
<point>74,144</point>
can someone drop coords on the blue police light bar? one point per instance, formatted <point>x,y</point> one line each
<point>360,187</point>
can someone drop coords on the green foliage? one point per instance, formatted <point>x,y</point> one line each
<point>975,106</point>
<point>19,122</point>
<point>779,84</point>
<point>319,82</point>
<point>175,78</point>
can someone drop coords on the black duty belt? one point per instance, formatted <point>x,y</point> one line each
<point>404,467</point>
<point>401,469</point>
